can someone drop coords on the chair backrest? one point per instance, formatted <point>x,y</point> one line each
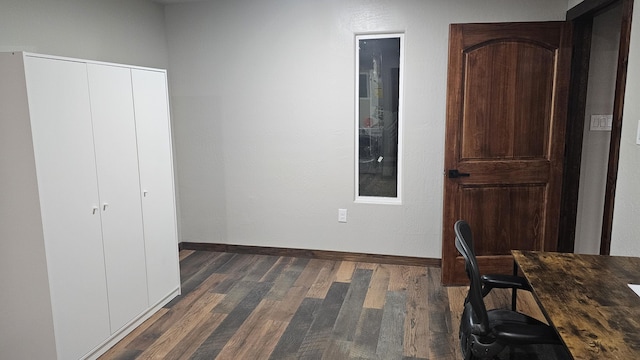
<point>464,244</point>
<point>465,233</point>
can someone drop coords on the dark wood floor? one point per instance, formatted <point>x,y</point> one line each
<point>239,306</point>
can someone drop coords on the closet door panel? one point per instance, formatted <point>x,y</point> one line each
<point>156,177</point>
<point>65,166</point>
<point>119,189</point>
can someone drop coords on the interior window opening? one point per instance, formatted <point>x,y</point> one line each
<point>378,120</point>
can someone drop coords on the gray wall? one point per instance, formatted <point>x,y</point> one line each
<point>626,227</point>
<point>122,31</point>
<point>126,31</point>
<point>595,149</point>
<point>263,108</point>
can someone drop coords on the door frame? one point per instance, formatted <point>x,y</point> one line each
<point>582,18</point>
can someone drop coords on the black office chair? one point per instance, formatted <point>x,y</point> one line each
<point>493,281</point>
<point>484,334</point>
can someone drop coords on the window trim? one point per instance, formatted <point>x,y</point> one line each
<point>400,157</point>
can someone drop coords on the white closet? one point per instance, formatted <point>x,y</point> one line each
<point>90,175</point>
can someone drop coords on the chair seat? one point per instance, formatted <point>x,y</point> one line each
<point>517,328</point>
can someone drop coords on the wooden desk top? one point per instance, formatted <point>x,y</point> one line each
<point>587,300</point>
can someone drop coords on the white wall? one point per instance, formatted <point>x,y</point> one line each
<point>263,110</point>
<point>123,31</point>
<point>625,237</point>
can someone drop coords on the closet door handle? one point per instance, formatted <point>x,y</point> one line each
<point>104,206</point>
<point>94,209</point>
<point>145,193</point>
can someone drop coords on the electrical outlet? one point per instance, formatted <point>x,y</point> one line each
<point>342,215</point>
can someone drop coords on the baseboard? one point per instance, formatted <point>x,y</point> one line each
<point>313,254</point>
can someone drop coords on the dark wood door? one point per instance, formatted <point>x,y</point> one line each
<point>506,114</point>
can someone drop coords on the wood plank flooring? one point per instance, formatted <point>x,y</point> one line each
<point>240,306</point>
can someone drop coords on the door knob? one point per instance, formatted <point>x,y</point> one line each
<point>456,174</point>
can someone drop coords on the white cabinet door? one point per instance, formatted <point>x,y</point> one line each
<point>65,164</point>
<point>119,188</point>
<point>156,178</point>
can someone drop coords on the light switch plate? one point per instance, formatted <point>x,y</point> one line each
<point>638,135</point>
<point>342,215</point>
<point>601,122</point>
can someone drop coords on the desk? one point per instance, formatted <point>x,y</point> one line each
<point>587,300</point>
